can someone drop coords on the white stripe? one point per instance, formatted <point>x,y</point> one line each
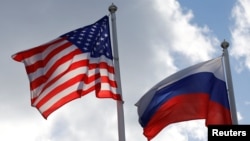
<point>58,56</point>
<point>58,97</point>
<point>58,71</point>
<point>61,80</point>
<point>101,59</point>
<point>37,57</point>
<point>42,71</point>
<point>106,86</point>
<point>62,68</point>
<point>71,89</point>
<point>36,92</point>
<point>71,74</point>
<point>104,72</point>
<point>214,66</point>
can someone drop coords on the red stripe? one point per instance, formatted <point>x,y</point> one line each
<point>102,93</point>
<point>43,78</point>
<point>187,107</point>
<point>20,56</point>
<point>218,114</point>
<point>78,78</point>
<point>108,94</point>
<point>105,79</point>
<point>71,82</point>
<point>60,88</point>
<point>104,65</point>
<point>42,62</point>
<point>75,95</point>
<point>72,67</point>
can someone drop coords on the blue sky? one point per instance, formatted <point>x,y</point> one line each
<point>155,39</point>
<point>217,15</point>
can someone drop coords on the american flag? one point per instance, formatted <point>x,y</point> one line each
<point>71,66</point>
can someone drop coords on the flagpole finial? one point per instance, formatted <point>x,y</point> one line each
<point>224,44</point>
<point>112,8</point>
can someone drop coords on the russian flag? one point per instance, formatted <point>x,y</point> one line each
<point>197,92</point>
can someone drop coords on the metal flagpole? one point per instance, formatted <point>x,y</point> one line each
<point>225,45</point>
<point>120,113</point>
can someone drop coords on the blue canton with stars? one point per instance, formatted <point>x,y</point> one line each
<point>94,38</point>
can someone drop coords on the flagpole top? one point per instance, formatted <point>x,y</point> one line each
<point>224,44</point>
<point>112,8</point>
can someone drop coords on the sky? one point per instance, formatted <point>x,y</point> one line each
<point>155,39</point>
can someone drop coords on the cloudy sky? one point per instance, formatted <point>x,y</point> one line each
<point>155,38</point>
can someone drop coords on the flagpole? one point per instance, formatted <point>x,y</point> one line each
<point>225,45</point>
<point>120,113</point>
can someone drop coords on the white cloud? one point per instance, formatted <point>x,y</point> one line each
<point>184,131</point>
<point>240,31</point>
<point>247,102</point>
<point>179,43</point>
<point>182,37</point>
<point>239,116</point>
<point>30,130</point>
